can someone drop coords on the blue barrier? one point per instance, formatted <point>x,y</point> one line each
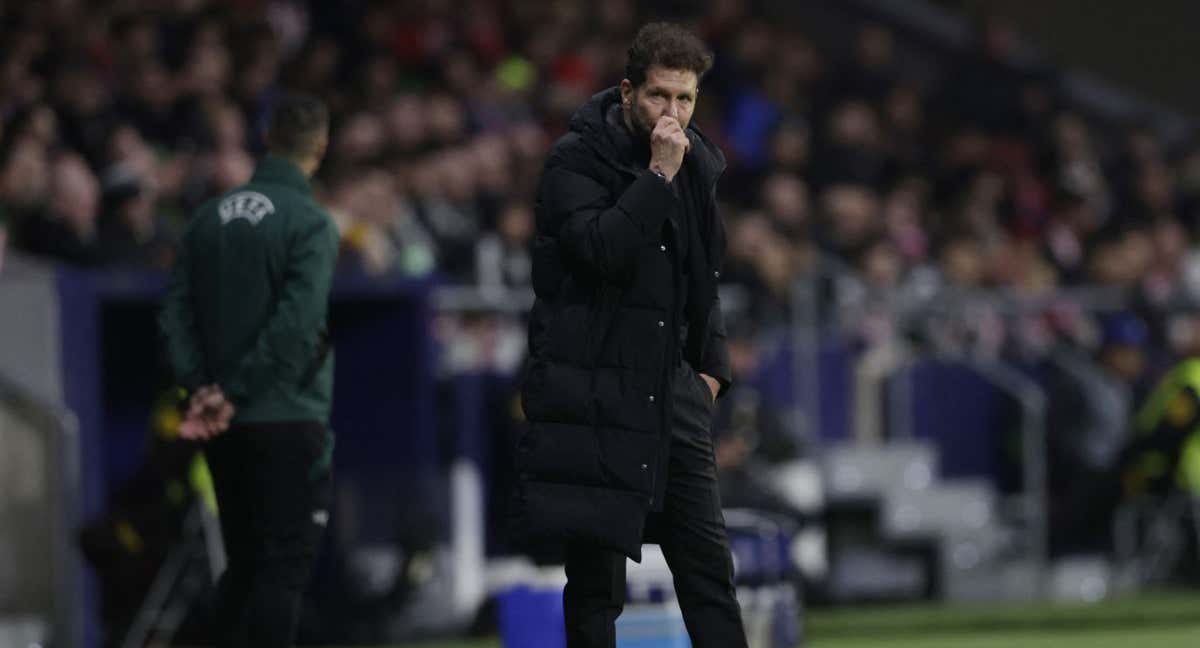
<point>775,380</point>
<point>965,416</point>
<point>531,617</point>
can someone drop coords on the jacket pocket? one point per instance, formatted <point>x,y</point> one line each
<point>705,393</point>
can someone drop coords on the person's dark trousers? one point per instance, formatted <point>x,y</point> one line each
<point>273,490</point>
<point>691,531</point>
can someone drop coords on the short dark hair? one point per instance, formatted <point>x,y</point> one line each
<point>297,125</point>
<point>667,45</point>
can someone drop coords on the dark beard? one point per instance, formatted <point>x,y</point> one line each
<point>641,131</point>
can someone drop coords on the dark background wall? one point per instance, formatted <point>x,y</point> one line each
<point>1147,46</point>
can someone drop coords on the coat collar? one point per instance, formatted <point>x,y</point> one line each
<point>616,146</point>
<point>273,169</point>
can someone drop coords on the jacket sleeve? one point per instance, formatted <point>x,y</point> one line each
<point>716,361</point>
<point>177,324</point>
<point>594,232</point>
<point>291,340</point>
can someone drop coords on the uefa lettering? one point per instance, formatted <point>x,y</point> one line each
<point>249,205</point>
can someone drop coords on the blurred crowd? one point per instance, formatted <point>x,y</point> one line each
<point>119,117</point>
<point>969,171</point>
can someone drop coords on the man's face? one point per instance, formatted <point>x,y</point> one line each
<point>665,92</point>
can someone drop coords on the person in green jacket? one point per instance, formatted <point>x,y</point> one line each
<point>1164,454</point>
<point>244,326</point>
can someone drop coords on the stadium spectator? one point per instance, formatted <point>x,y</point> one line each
<point>502,257</point>
<point>67,230</point>
<point>1091,422</point>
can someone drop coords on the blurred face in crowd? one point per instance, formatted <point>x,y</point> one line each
<point>1155,186</point>
<point>1144,146</point>
<point>1170,242</point>
<point>528,141</point>
<point>79,92</point>
<point>447,118</point>
<point>207,69</point>
<point>853,124</point>
<point>902,219</point>
<point>23,178</point>
<point>1022,265</point>
<point>754,45</point>
<point>462,74</point>
<point>321,61</point>
<point>361,138</point>
<point>137,214</point>
<point>968,146</point>
<point>881,265</point>
<point>748,235</point>
<point>963,263</point>
<point>1139,251</point>
<point>1072,140</point>
<point>1189,172</point>
<point>874,47</point>
<point>516,224</point>
<point>229,126</point>
<point>775,262</point>
<point>790,146</point>
<point>664,93</point>
<point>785,198</point>
<point>795,58</point>
<point>375,199</point>
<point>379,78</point>
<point>255,77</point>
<point>127,147</point>
<point>42,124</point>
<point>999,39</point>
<point>458,175</point>
<point>231,167</point>
<point>142,38</point>
<point>405,122</point>
<point>492,164</point>
<point>1126,360</point>
<point>425,178</point>
<point>153,85</point>
<point>1183,333</point>
<point>75,194</point>
<point>852,214</point>
<point>1121,262</point>
<point>743,355</point>
<point>904,109</point>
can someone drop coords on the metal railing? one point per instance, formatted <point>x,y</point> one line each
<point>820,308</point>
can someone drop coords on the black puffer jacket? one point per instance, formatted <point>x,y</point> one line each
<point>604,330</point>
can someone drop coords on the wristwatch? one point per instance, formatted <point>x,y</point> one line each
<point>660,174</point>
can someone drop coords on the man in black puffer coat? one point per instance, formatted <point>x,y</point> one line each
<point>627,350</point>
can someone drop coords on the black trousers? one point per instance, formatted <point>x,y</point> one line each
<point>273,488</point>
<point>691,531</point>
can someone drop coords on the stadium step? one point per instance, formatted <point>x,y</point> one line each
<point>975,552</point>
<point>857,472</point>
<point>998,581</point>
<point>964,507</point>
